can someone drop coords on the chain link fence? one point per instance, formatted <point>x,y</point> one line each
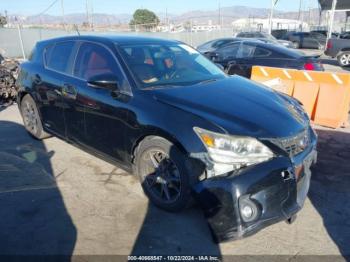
<point>11,38</point>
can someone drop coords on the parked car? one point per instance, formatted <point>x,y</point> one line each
<point>215,44</point>
<point>279,33</point>
<point>325,33</point>
<point>345,35</point>
<point>310,40</point>
<point>339,48</point>
<point>265,37</point>
<point>161,110</point>
<point>239,57</point>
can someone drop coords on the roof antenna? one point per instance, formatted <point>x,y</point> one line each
<point>76,29</point>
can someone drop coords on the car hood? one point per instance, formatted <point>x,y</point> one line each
<point>238,105</point>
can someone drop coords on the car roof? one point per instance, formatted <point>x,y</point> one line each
<point>281,49</point>
<point>118,39</point>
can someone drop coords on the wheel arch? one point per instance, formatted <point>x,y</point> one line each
<point>156,132</point>
<point>20,96</point>
<point>346,49</point>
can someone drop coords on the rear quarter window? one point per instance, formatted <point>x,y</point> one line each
<point>261,52</point>
<point>57,56</point>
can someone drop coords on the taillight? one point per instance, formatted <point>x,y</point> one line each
<point>329,44</point>
<point>309,66</point>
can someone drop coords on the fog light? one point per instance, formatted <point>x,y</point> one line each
<point>248,209</point>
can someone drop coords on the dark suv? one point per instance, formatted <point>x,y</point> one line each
<point>312,40</point>
<point>161,110</point>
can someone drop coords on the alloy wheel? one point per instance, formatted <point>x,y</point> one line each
<point>30,117</point>
<point>161,176</point>
<point>345,59</point>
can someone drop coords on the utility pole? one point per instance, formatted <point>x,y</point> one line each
<point>87,13</point>
<point>92,16</point>
<point>63,21</point>
<point>20,38</point>
<point>273,4</point>
<point>330,29</point>
<point>219,13</point>
<point>166,20</point>
<point>300,4</point>
<point>309,15</point>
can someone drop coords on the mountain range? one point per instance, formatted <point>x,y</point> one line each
<point>227,14</point>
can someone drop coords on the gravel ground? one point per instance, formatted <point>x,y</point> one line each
<point>57,199</point>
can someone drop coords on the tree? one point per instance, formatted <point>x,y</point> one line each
<point>144,18</point>
<point>3,20</point>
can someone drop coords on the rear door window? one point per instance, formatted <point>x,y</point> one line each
<point>58,56</point>
<point>261,52</point>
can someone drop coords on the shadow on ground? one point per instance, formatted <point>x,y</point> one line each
<point>330,187</point>
<point>184,233</point>
<point>34,220</point>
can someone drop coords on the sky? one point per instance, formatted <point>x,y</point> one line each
<point>32,7</point>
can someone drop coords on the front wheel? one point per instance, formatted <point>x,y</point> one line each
<point>31,118</point>
<point>344,59</point>
<point>163,174</point>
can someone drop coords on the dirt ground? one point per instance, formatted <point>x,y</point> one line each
<point>57,199</point>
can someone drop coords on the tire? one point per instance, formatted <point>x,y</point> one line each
<point>164,177</point>
<point>344,59</point>
<point>296,45</point>
<point>31,118</point>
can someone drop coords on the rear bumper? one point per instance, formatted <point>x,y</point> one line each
<point>330,53</point>
<point>276,196</point>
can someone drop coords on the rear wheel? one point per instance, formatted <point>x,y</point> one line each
<point>344,59</point>
<point>31,118</point>
<point>163,174</point>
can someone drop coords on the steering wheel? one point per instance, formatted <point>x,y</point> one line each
<point>177,72</point>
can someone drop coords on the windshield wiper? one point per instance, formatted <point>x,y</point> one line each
<point>160,86</point>
<point>207,81</point>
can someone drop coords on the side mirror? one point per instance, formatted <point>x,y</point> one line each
<point>105,81</point>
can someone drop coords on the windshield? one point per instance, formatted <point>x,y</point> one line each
<point>155,65</point>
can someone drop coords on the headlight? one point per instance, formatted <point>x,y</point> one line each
<point>234,150</point>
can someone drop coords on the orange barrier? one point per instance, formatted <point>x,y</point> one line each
<point>305,90</point>
<point>324,95</point>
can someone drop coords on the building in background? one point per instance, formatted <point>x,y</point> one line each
<point>260,24</point>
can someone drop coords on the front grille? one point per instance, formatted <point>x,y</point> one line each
<point>293,145</point>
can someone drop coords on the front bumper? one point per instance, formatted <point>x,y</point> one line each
<point>278,188</point>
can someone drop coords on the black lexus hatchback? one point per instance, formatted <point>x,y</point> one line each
<point>161,110</point>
